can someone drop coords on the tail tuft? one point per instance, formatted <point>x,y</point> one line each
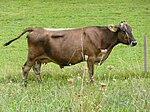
<point>6,44</point>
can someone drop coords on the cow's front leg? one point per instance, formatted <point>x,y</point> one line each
<point>37,69</point>
<point>25,69</point>
<point>90,63</point>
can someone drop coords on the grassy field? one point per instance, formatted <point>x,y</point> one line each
<point>127,86</point>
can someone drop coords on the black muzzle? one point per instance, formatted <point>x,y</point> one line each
<point>133,43</point>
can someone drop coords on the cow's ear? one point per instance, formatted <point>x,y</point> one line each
<point>112,28</point>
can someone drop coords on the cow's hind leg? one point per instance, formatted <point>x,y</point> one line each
<point>37,69</point>
<point>90,63</point>
<point>25,69</point>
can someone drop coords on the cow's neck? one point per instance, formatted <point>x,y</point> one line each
<point>109,41</point>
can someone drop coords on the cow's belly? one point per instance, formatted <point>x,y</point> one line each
<point>67,61</point>
<point>61,59</point>
<point>66,56</point>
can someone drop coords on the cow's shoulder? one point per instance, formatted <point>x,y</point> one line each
<point>91,28</point>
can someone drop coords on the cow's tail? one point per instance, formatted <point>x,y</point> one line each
<point>26,30</point>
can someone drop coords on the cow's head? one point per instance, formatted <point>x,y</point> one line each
<point>124,33</point>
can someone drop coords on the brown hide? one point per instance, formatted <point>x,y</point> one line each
<point>70,46</point>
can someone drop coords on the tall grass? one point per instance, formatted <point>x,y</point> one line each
<point>124,88</point>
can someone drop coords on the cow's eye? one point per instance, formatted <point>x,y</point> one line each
<point>124,30</point>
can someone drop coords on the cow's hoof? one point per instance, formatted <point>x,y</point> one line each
<point>39,81</point>
<point>91,79</point>
<point>24,84</point>
<point>90,82</point>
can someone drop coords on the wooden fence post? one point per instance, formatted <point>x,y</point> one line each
<point>145,54</point>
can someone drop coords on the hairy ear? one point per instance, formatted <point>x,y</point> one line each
<point>112,28</point>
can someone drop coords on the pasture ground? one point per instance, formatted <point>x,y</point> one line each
<point>127,86</point>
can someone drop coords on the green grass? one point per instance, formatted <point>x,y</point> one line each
<point>128,87</point>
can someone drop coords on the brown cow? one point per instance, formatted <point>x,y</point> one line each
<point>70,46</point>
